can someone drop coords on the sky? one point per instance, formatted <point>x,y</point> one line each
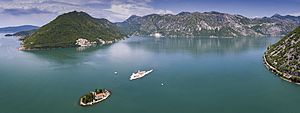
<point>40,12</point>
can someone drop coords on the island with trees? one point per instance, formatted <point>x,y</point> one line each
<point>94,97</point>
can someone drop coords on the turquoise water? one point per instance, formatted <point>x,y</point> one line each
<point>224,75</point>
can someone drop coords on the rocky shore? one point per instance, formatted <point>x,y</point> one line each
<point>282,75</point>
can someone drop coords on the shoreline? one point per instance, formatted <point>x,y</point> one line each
<point>100,43</point>
<point>283,76</point>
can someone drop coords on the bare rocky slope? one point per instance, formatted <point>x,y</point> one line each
<point>209,24</point>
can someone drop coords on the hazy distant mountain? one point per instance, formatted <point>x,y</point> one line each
<point>17,28</point>
<point>288,18</point>
<point>67,28</point>
<point>22,33</point>
<point>208,24</point>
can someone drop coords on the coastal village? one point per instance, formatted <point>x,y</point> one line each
<point>82,42</point>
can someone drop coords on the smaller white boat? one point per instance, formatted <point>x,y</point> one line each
<point>139,74</point>
<point>157,35</point>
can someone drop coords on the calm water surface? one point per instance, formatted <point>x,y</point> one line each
<point>199,75</point>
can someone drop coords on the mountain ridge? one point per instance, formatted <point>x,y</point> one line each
<point>64,30</point>
<point>208,24</point>
<point>14,29</point>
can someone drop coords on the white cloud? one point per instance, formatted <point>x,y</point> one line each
<point>295,14</point>
<point>34,19</point>
<point>50,6</point>
<point>114,10</point>
<point>124,10</point>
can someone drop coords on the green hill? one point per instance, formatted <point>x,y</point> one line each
<point>67,28</point>
<point>285,56</point>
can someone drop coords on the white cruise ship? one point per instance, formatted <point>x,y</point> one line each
<point>139,74</point>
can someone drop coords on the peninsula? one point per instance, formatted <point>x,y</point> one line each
<point>283,57</point>
<point>70,30</point>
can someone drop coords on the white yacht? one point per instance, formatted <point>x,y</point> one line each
<point>139,74</point>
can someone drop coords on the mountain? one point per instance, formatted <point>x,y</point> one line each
<point>22,33</point>
<point>69,28</point>
<point>289,18</point>
<point>17,29</point>
<point>208,24</point>
<point>79,28</point>
<point>283,57</point>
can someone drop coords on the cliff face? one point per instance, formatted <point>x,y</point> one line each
<point>208,24</point>
<point>285,54</point>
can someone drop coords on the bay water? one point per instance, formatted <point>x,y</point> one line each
<point>207,75</point>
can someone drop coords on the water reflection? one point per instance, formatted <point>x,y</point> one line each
<point>197,46</point>
<point>136,48</point>
<point>65,55</point>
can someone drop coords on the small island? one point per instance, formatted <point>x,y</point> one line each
<point>94,97</point>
